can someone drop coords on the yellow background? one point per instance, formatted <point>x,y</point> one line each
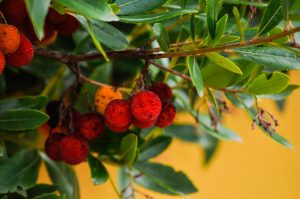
<point>258,168</point>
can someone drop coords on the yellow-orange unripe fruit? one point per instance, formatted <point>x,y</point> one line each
<point>9,38</point>
<point>104,95</point>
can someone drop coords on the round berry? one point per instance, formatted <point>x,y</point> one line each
<point>9,38</point>
<point>91,126</point>
<point>74,149</point>
<point>145,106</point>
<point>117,129</point>
<point>68,26</point>
<point>52,146</point>
<point>23,55</point>
<point>104,95</point>
<point>143,125</point>
<point>2,62</point>
<point>54,17</point>
<point>117,114</point>
<point>166,116</point>
<point>14,11</point>
<point>163,91</point>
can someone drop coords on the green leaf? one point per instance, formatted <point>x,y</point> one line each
<point>49,196</point>
<point>37,11</point>
<point>210,145</point>
<point>282,95</point>
<point>224,62</point>
<point>63,176</point>
<point>40,189</point>
<point>3,150</point>
<point>27,102</point>
<point>221,25</point>
<point>192,27</point>
<point>153,18</point>
<point>196,75</point>
<point>271,57</point>
<point>285,9</point>
<point>188,133</point>
<point>91,9</point>
<point>264,85</point>
<point>212,10</point>
<point>271,17</point>
<point>19,171</point>
<point>19,120</point>
<point>246,3</point>
<point>162,36</point>
<point>106,34</point>
<point>163,179</point>
<point>98,171</point>
<point>128,149</point>
<point>154,147</point>
<point>132,7</point>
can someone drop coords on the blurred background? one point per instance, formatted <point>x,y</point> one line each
<point>256,168</point>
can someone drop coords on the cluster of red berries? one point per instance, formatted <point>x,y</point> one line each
<point>144,109</point>
<point>73,148</point>
<point>15,13</point>
<point>15,49</point>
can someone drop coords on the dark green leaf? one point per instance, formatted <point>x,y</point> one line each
<point>19,120</point>
<point>37,11</point>
<point>196,75</point>
<point>128,149</point>
<point>49,196</point>
<point>40,189</point>
<point>153,18</point>
<point>271,17</point>
<point>63,176</point>
<point>21,170</point>
<point>132,7</point>
<point>92,9</point>
<point>248,3</point>
<point>285,9</point>
<point>212,10</point>
<point>164,179</point>
<point>154,147</point>
<point>186,133</point>
<point>264,85</point>
<point>98,171</point>
<point>283,94</point>
<point>271,57</point>
<point>224,62</point>
<point>210,145</point>
<point>36,102</point>
<point>162,36</point>
<point>192,27</point>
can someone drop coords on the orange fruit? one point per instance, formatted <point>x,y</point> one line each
<point>104,95</point>
<point>9,38</point>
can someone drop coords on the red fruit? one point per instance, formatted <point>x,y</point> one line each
<point>54,17</point>
<point>145,106</point>
<point>91,126</point>
<point>68,26</point>
<point>166,116</point>
<point>143,125</point>
<point>23,55</point>
<point>117,115</point>
<point>2,62</point>
<point>14,11</point>
<point>52,146</point>
<point>163,91</point>
<point>74,149</point>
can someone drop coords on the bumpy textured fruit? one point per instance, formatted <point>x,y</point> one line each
<point>91,126</point>
<point>104,95</point>
<point>166,116</point>
<point>9,38</point>
<point>68,26</point>
<point>23,55</point>
<point>117,115</point>
<point>145,106</point>
<point>14,11</point>
<point>2,62</point>
<point>74,149</point>
<point>163,91</point>
<point>52,146</point>
<point>143,125</point>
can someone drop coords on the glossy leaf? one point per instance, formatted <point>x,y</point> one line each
<point>264,85</point>
<point>30,102</point>
<point>40,189</point>
<point>247,3</point>
<point>212,10</point>
<point>162,36</point>
<point>210,145</point>
<point>271,57</point>
<point>285,8</point>
<point>19,120</point>
<point>49,196</point>
<point>220,28</point>
<point>98,171</point>
<point>271,17</point>
<point>37,11</point>
<point>20,170</point>
<point>153,18</point>
<point>128,149</point>
<point>188,133</point>
<point>154,147</point>
<point>224,62</point>
<point>164,179</point>
<point>283,94</point>
<point>91,9</point>
<point>132,7</point>
<point>196,75</point>
<point>63,176</point>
